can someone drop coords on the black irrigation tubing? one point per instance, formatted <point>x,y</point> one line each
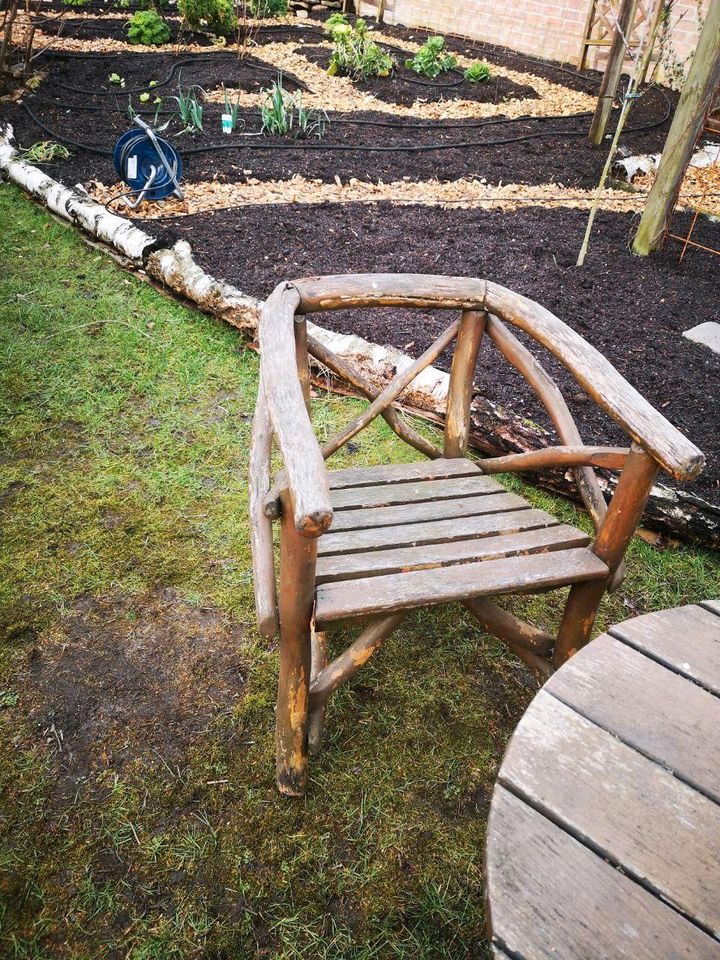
<point>300,84</point>
<point>346,148</point>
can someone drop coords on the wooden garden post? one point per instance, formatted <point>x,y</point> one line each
<point>697,97</point>
<point>613,71</point>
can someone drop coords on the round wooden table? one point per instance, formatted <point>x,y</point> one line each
<point>604,829</point>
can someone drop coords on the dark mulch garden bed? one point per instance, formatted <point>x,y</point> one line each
<point>633,310</point>
<point>76,103</point>
<point>407,86</point>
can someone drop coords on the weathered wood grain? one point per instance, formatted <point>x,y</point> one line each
<point>674,452</point>
<point>402,472</point>
<point>428,510</point>
<point>261,536</point>
<point>547,391</point>
<point>610,458</point>
<point>612,393</point>
<point>414,491</point>
<point>628,809</point>
<point>663,715</point>
<point>303,461</point>
<point>418,588</point>
<point>551,897</point>
<point>437,531</point>
<point>396,560</point>
<point>686,639</point>
<point>462,373</point>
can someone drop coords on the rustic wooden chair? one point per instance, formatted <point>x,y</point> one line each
<point>369,544</point>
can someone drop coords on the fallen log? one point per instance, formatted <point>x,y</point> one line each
<point>494,430</point>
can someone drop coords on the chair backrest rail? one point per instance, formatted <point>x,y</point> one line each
<point>674,452</point>
<point>393,390</point>
<point>462,375</point>
<point>557,409</point>
<point>350,374</point>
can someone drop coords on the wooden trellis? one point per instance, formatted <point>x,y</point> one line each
<point>602,19</point>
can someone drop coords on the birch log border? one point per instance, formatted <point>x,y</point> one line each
<point>493,430</point>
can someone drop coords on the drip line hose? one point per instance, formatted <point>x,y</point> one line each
<point>347,148</point>
<point>428,125</point>
<point>300,84</point>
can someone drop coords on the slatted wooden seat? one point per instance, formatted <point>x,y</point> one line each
<point>365,545</point>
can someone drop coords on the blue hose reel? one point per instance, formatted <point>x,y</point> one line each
<point>149,165</point>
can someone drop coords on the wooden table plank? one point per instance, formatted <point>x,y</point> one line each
<point>434,531</point>
<point>687,639</point>
<point>417,588</point>
<point>632,810</point>
<point>382,562</point>
<point>552,897</point>
<point>661,714</point>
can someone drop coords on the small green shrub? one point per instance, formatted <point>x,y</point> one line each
<point>478,72</point>
<point>431,60</point>
<point>283,114</point>
<point>149,28</point>
<point>217,16</point>
<point>76,3</point>
<point>356,54</point>
<point>268,8</point>
<point>335,20</point>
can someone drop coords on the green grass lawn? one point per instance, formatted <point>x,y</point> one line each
<point>136,698</point>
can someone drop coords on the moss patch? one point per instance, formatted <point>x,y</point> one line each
<point>136,698</point>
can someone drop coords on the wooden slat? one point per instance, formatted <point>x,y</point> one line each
<point>401,472</point>
<point>550,896</point>
<point>712,605</point>
<point>686,639</point>
<point>628,808</point>
<point>381,562</point>
<point>432,510</point>
<point>419,588</point>
<point>416,491</point>
<point>666,717</point>
<point>439,531</point>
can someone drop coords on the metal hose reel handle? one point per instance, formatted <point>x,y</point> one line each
<point>149,165</point>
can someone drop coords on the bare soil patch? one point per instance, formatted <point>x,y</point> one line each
<point>123,678</point>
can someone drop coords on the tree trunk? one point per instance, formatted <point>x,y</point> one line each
<point>696,99</point>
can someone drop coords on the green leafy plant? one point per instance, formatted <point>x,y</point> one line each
<point>356,54</point>
<point>45,151</point>
<point>217,16</point>
<point>335,20</point>
<point>190,109</point>
<point>76,3</point>
<point>283,114</point>
<point>268,8</point>
<point>431,59</point>
<point>148,28</point>
<point>116,80</point>
<point>478,72</point>
<point>231,109</point>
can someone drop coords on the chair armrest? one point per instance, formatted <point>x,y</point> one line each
<point>304,465</point>
<point>641,421</point>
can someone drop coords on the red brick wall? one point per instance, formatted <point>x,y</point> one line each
<point>546,28</point>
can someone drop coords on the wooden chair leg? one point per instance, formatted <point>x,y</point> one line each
<point>316,721</point>
<point>297,587</point>
<point>618,527</point>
